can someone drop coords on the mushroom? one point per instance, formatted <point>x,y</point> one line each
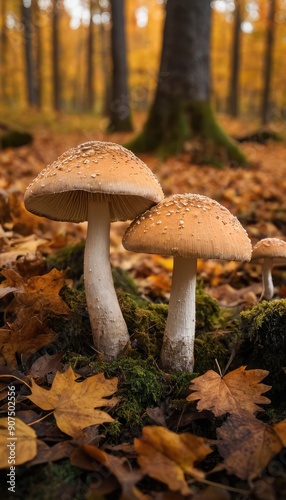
<point>187,226</point>
<point>268,249</point>
<point>98,182</point>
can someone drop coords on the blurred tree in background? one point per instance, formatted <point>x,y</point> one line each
<point>58,55</point>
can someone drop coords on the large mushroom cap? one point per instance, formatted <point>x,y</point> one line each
<point>104,170</point>
<point>189,225</point>
<point>269,248</point>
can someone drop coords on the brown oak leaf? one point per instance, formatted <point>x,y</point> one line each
<point>237,391</point>
<point>167,456</point>
<point>247,444</point>
<point>75,404</point>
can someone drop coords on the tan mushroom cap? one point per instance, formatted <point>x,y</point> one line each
<point>103,170</point>
<point>189,225</point>
<point>269,248</point>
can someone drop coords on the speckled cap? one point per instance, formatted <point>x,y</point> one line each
<point>269,248</point>
<point>104,170</point>
<point>189,225</point>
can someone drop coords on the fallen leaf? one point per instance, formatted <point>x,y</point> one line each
<point>32,336</point>
<point>41,289</point>
<point>19,447</point>
<point>119,467</point>
<point>74,403</point>
<point>247,445</point>
<point>237,391</point>
<point>50,454</point>
<point>167,456</point>
<point>44,365</point>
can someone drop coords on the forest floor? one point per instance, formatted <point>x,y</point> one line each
<point>152,442</point>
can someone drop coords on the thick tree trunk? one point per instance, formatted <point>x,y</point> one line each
<point>181,109</point>
<point>120,117</point>
<point>270,33</point>
<point>28,47</point>
<point>56,57</point>
<point>235,64</point>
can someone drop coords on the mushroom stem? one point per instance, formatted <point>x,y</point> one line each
<point>267,283</point>
<point>178,343</point>
<point>109,330</point>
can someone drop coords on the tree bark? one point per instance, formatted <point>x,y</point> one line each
<point>120,117</point>
<point>89,98</point>
<point>38,54</point>
<point>235,64</point>
<point>3,52</point>
<point>181,109</point>
<point>28,47</point>
<point>56,58</point>
<point>268,61</point>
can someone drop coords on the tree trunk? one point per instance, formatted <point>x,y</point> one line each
<point>270,34</point>
<point>89,98</point>
<point>28,46</point>
<point>3,52</point>
<point>181,109</point>
<point>235,64</point>
<point>55,57</point>
<point>38,56</point>
<point>120,117</point>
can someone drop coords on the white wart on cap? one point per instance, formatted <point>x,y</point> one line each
<point>98,182</point>
<point>187,226</point>
<point>268,249</point>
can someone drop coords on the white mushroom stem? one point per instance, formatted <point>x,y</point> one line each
<point>179,337</point>
<point>109,329</point>
<point>267,283</point>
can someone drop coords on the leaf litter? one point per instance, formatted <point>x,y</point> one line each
<point>77,408</point>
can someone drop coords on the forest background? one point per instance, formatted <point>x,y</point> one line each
<point>57,55</point>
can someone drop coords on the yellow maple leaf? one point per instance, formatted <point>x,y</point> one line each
<point>75,403</point>
<point>17,448</point>
<point>247,445</point>
<point>237,391</point>
<point>167,456</point>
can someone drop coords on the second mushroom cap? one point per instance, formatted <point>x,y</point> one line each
<point>189,225</point>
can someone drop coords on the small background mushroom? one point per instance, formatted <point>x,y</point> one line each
<point>268,249</point>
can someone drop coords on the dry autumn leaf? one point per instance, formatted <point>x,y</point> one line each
<point>18,448</point>
<point>18,341</point>
<point>119,467</point>
<point>247,445</point>
<point>41,289</point>
<point>167,456</point>
<point>75,403</point>
<point>237,391</point>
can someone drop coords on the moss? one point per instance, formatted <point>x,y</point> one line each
<point>47,481</point>
<point>262,330</point>
<point>70,257</point>
<point>210,347</point>
<point>172,122</point>
<point>141,384</point>
<point>208,314</point>
<point>74,330</point>
<point>216,146</point>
